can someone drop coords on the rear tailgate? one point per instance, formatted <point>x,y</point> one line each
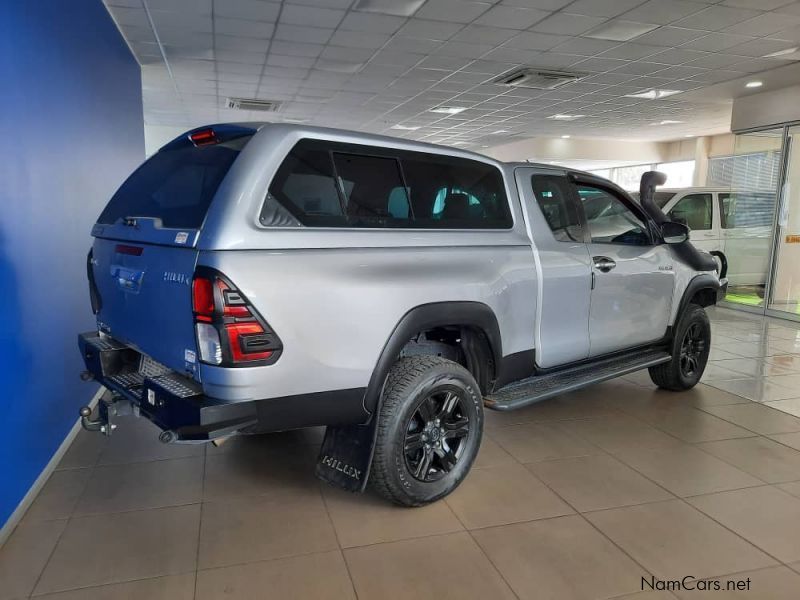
<point>145,295</point>
<point>144,255</point>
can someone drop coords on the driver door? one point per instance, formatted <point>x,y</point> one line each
<point>633,278</point>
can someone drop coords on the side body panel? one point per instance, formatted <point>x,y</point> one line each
<point>335,308</point>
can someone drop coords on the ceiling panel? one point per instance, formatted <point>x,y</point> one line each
<point>330,63</point>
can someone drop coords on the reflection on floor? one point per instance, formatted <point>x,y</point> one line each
<point>578,497</point>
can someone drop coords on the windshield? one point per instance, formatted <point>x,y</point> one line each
<point>176,184</point>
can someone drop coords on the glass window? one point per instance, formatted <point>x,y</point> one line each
<point>680,174</point>
<point>629,178</point>
<point>747,209</point>
<point>369,185</point>
<point>175,185</point>
<point>554,197</point>
<point>610,220</point>
<point>694,210</point>
<point>328,184</point>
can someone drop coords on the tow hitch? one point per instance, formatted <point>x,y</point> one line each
<point>109,408</point>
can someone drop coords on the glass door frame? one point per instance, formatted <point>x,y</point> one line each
<point>774,246</point>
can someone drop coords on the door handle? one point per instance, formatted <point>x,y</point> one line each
<point>603,263</point>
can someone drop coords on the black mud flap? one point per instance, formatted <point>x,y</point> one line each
<point>345,456</point>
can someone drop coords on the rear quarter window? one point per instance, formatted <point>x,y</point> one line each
<point>328,184</point>
<point>175,185</point>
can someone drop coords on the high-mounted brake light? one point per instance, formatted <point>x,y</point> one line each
<point>230,332</point>
<point>204,137</point>
<point>130,250</point>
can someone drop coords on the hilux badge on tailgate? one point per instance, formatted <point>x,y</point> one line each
<point>174,277</point>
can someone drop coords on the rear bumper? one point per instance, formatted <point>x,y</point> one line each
<point>173,402</point>
<point>178,405</point>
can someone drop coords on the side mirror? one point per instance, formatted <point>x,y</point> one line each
<point>674,233</point>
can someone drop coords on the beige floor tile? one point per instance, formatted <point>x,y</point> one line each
<point>618,433</point>
<point>120,547</point>
<point>279,441</point>
<point>753,367</point>
<point>787,439</point>
<point>491,454</point>
<point>717,354</point>
<point>136,486</point>
<point>694,425</point>
<point>60,494</point>
<point>254,528</point>
<point>559,559</point>
<point>671,539</point>
<point>791,406</point>
<point>252,470</point>
<point>766,516</point>
<point>24,556</point>
<point>171,587</point>
<point>705,395</point>
<point>320,576</point>
<point>502,495</point>
<point>84,450</point>
<point>541,441</point>
<point>761,457</point>
<point>361,519</point>
<point>715,371</point>
<point>792,487</point>
<point>774,583</point>
<point>687,471</point>
<point>448,566</point>
<point>576,405</point>
<point>136,440</point>
<point>597,482</point>
<point>790,362</point>
<point>744,349</point>
<point>760,389</point>
<point>757,417</point>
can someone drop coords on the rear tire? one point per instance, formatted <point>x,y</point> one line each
<point>690,349</point>
<point>429,430</point>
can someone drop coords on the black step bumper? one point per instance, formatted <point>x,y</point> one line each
<point>175,403</point>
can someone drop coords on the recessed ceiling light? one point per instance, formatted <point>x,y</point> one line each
<point>459,143</point>
<point>499,131</point>
<point>753,84</point>
<point>563,117</point>
<point>620,31</point>
<point>668,122</point>
<point>404,127</point>
<point>689,135</point>
<point>448,110</point>
<point>295,120</point>
<point>401,8</point>
<point>653,94</point>
<point>783,52</point>
<point>565,137</point>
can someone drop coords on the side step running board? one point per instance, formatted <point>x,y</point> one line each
<point>540,387</point>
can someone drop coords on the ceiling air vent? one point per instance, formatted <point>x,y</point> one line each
<point>538,79</point>
<point>253,104</point>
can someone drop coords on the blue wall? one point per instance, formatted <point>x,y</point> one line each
<point>70,130</point>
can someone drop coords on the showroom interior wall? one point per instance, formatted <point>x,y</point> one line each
<point>72,126</point>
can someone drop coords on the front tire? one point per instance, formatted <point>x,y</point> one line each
<point>429,430</point>
<point>690,349</point>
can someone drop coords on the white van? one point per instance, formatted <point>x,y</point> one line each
<point>733,225</point>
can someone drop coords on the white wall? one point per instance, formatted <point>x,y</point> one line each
<point>557,149</point>
<point>767,108</point>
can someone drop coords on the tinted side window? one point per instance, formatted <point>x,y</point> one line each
<point>749,209</point>
<point>610,220</point>
<point>693,210</point>
<point>455,193</point>
<point>329,184</point>
<point>554,196</point>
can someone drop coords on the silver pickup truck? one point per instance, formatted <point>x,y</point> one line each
<point>260,277</point>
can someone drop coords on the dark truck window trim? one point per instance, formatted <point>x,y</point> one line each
<point>424,191</point>
<point>177,184</point>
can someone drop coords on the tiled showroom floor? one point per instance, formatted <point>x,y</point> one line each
<point>577,497</point>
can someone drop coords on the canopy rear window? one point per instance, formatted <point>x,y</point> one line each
<point>177,183</point>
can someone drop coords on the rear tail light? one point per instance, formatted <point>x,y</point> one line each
<point>204,137</point>
<point>230,332</point>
